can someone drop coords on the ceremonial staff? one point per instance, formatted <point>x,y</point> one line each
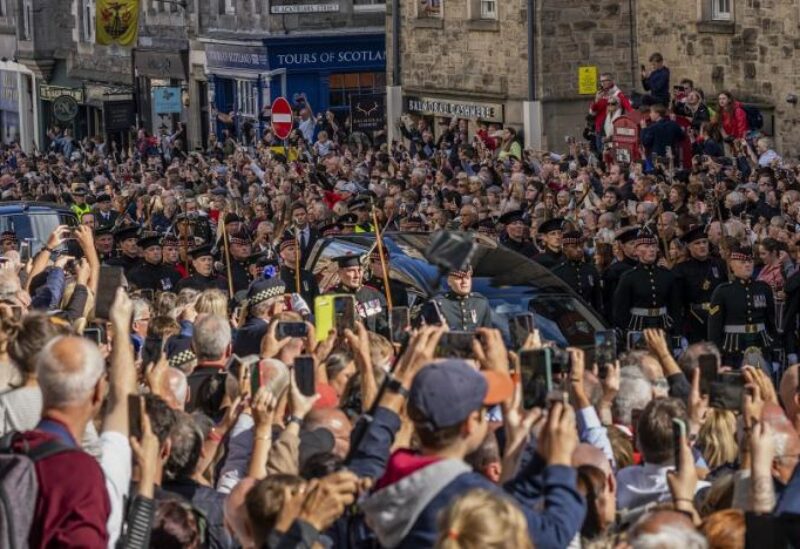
<point>297,259</point>
<point>379,241</point>
<point>226,255</point>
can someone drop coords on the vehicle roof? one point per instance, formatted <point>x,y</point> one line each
<point>32,207</point>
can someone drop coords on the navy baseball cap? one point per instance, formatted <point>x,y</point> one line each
<point>446,393</point>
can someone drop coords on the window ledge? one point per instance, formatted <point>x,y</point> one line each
<point>369,8</point>
<point>717,27</point>
<point>484,25</point>
<point>428,23</point>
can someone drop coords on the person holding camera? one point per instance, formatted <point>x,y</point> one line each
<point>598,109</point>
<point>656,81</point>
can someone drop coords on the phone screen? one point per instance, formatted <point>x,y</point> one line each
<point>678,434</point>
<point>537,376</point>
<point>708,371</point>
<point>291,329</point>
<point>304,374</point>
<point>399,322</point>
<point>605,350</point>
<point>344,314</point>
<point>455,345</point>
<point>93,334</point>
<point>520,326</point>
<point>636,341</point>
<point>135,416</point>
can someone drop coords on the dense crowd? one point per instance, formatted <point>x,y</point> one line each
<point>155,357</point>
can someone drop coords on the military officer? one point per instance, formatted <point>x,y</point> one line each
<point>239,249</point>
<point>742,311</point>
<point>396,288</point>
<point>551,233</point>
<point>646,296</point>
<point>309,289</point>
<point>460,308</point>
<point>170,255</point>
<point>203,267</point>
<point>515,228</point>
<point>126,238</point>
<point>370,303</point>
<point>579,275</point>
<point>626,240</point>
<point>152,274</point>
<point>697,278</point>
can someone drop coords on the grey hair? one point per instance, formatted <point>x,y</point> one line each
<point>178,385</point>
<point>63,385</point>
<point>211,337</point>
<point>669,536</point>
<point>261,310</point>
<point>635,391</point>
<point>9,284</point>
<point>140,307</point>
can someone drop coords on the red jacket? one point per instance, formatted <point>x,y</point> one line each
<point>735,123</point>
<point>600,106</point>
<point>73,505</point>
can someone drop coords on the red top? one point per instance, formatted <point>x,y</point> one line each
<point>735,123</point>
<point>73,506</point>
<point>600,107</point>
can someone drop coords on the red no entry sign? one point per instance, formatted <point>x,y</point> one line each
<point>281,118</point>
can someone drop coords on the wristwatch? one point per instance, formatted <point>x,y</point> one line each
<point>393,384</point>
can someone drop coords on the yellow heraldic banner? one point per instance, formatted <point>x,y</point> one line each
<point>117,22</point>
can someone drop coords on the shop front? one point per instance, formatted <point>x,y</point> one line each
<point>160,75</point>
<point>238,89</point>
<point>327,72</point>
<point>16,109</point>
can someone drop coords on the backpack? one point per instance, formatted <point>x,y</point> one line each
<point>755,120</point>
<point>19,488</point>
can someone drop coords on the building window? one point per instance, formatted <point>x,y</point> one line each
<point>88,15</point>
<point>721,10</point>
<point>230,6</point>
<point>369,5</point>
<point>247,97</point>
<point>27,21</point>
<point>430,8</point>
<point>342,86</point>
<point>488,9</point>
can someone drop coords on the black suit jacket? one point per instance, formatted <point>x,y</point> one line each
<point>313,236</point>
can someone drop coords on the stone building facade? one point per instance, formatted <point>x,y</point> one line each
<point>462,53</point>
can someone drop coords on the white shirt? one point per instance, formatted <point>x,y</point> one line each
<point>115,460</point>
<point>639,485</point>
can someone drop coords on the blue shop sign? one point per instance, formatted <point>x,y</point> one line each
<point>9,93</point>
<point>167,100</point>
<point>346,53</point>
<point>249,58</point>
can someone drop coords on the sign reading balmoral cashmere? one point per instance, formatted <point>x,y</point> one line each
<point>292,8</point>
<point>490,112</point>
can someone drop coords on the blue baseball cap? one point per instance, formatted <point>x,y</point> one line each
<point>446,393</point>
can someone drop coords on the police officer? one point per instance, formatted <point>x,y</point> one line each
<point>397,289</point>
<point>626,241</point>
<point>515,227</point>
<point>742,311</point>
<point>360,208</point>
<point>579,275</point>
<point>460,308</point>
<point>264,301</point>
<point>79,206</point>
<point>697,278</point>
<point>239,249</point>
<point>287,250</point>
<point>126,238</point>
<point>551,233</point>
<point>152,274</point>
<point>370,303</point>
<point>203,277</point>
<point>646,296</point>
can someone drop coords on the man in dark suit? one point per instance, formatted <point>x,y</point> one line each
<point>306,235</point>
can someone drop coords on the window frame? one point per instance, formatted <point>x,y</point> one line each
<point>372,6</point>
<point>422,15</point>
<point>484,15</point>
<point>717,15</point>
<point>88,14</point>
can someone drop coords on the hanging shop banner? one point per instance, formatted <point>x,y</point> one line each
<point>368,112</point>
<point>167,100</point>
<point>117,22</point>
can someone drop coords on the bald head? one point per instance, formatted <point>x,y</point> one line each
<point>68,369</point>
<point>788,391</point>
<point>236,512</point>
<point>178,388</point>
<point>335,421</point>
<point>666,529</point>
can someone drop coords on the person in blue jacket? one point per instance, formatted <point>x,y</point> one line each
<point>448,402</point>
<point>656,81</point>
<point>661,134</point>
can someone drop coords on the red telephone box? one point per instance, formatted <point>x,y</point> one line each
<point>625,140</point>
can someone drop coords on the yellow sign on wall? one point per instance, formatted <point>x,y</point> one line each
<point>587,80</point>
<point>117,22</point>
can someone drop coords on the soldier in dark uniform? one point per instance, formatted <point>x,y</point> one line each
<point>460,308</point>
<point>551,233</point>
<point>309,289</point>
<point>264,301</point>
<point>239,249</point>
<point>104,243</point>
<point>697,278</point>
<point>611,276</point>
<point>152,274</point>
<point>579,274</point>
<point>127,239</point>
<point>370,303</point>
<point>646,296</point>
<point>513,238</point>
<point>203,277</point>
<point>742,311</point>
<point>170,255</point>
<point>397,289</point>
